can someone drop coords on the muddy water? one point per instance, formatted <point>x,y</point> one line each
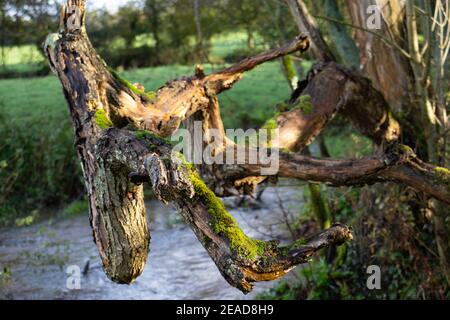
<point>178,267</point>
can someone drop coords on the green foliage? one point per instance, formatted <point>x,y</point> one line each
<point>385,234</point>
<point>28,220</point>
<point>229,46</point>
<point>240,54</point>
<point>284,291</point>
<point>39,166</point>
<point>23,61</point>
<point>5,276</point>
<point>75,208</point>
<point>323,281</point>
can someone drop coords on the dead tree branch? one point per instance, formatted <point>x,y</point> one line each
<point>118,130</point>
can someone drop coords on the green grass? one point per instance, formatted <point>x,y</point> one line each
<point>33,100</point>
<point>348,144</point>
<point>249,103</point>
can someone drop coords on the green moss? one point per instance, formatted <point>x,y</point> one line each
<point>287,151</point>
<point>305,105</point>
<point>223,222</point>
<point>289,66</point>
<point>150,95</point>
<point>406,149</point>
<point>443,174</point>
<point>190,166</point>
<point>282,107</point>
<point>102,120</point>
<point>270,124</point>
<point>141,134</point>
<point>443,171</point>
<point>297,244</point>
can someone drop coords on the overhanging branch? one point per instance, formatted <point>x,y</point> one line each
<point>240,259</point>
<point>399,164</point>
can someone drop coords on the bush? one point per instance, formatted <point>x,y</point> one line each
<point>385,234</point>
<point>147,56</point>
<point>38,165</point>
<point>24,71</point>
<point>240,54</point>
<point>75,208</point>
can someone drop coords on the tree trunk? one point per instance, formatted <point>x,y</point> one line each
<point>403,79</point>
<point>198,26</point>
<point>306,24</point>
<point>344,44</point>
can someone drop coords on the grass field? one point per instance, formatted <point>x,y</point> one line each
<point>31,100</point>
<point>248,104</point>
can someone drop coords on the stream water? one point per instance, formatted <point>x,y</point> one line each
<point>178,267</point>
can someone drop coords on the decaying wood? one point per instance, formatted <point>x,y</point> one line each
<point>333,89</point>
<point>118,156</point>
<point>240,259</point>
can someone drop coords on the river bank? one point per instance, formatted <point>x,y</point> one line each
<point>37,257</point>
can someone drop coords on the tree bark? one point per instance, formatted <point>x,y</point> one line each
<point>306,24</point>
<point>401,71</point>
<point>344,44</point>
